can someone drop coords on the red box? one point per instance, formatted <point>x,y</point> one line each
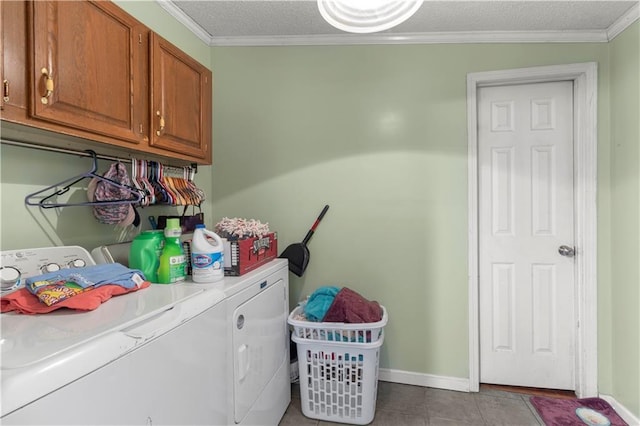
<point>242,256</point>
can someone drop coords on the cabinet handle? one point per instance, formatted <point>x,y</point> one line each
<point>48,84</point>
<point>159,132</point>
<point>5,90</point>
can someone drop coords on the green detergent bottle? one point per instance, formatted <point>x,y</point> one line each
<point>173,262</point>
<point>145,253</point>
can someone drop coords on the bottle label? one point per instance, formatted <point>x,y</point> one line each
<point>177,268</point>
<point>207,260</point>
<point>172,232</point>
<point>175,260</point>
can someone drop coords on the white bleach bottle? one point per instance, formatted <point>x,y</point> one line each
<point>207,256</point>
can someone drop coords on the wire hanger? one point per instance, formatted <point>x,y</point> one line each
<point>66,184</point>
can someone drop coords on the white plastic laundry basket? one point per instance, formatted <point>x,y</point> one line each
<point>338,366</point>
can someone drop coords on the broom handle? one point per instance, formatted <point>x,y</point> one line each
<point>315,225</point>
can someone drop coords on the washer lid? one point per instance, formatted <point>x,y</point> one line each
<point>46,352</point>
<point>29,339</point>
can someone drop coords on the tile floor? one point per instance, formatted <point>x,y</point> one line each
<point>400,405</point>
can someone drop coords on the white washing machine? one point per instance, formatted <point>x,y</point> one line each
<point>153,356</point>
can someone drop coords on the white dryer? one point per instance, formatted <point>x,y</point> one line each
<point>257,310</point>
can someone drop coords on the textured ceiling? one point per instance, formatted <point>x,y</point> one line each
<point>267,18</point>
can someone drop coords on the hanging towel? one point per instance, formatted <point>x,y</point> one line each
<point>319,302</point>
<point>22,301</point>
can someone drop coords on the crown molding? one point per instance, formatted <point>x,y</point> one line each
<point>460,37</point>
<point>186,20</point>
<point>623,22</point>
<point>420,38</point>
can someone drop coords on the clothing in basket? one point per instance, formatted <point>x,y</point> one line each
<point>331,304</point>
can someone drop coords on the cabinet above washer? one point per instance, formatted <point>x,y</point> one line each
<point>88,69</point>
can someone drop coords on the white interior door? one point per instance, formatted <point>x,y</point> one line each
<point>525,201</point>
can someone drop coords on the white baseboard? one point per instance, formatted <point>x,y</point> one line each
<point>427,380</point>
<point>622,411</point>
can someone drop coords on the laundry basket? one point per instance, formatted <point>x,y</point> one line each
<point>338,366</point>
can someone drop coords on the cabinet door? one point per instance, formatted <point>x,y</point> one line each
<point>180,101</point>
<point>13,55</point>
<point>88,69</point>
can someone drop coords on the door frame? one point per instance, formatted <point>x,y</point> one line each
<point>585,80</point>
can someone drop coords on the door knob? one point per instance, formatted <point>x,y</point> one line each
<point>566,251</point>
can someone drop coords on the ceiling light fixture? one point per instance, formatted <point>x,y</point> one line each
<point>367,16</point>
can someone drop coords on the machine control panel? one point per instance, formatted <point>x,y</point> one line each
<point>17,265</point>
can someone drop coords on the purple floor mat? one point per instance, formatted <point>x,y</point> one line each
<point>562,412</point>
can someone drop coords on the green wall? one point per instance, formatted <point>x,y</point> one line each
<point>625,228</point>
<point>379,133</point>
<point>23,171</point>
<point>150,13</point>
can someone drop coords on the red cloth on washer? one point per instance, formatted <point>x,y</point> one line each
<point>350,307</point>
<point>25,302</point>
